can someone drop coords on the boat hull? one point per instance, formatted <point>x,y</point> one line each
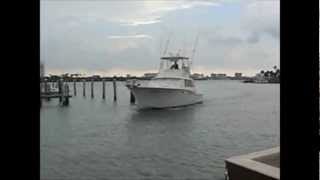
<point>147,97</point>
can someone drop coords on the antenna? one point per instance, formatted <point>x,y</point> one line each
<point>184,46</point>
<point>194,47</point>
<point>166,46</point>
<point>160,45</point>
<point>194,50</point>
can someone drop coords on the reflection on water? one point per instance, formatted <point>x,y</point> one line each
<point>57,130</point>
<point>159,128</point>
<point>163,142</point>
<point>165,115</point>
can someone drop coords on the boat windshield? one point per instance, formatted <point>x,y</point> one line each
<point>174,63</point>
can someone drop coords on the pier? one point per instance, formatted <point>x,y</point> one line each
<point>62,94</point>
<point>60,89</point>
<point>262,165</point>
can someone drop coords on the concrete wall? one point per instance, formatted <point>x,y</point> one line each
<point>262,165</point>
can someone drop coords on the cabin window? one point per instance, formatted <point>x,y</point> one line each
<point>188,83</point>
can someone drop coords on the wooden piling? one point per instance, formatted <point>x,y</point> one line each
<point>132,98</point>
<point>62,96</point>
<point>114,90</point>
<point>103,89</point>
<point>66,95</point>
<point>74,88</point>
<point>45,86</point>
<point>41,87</point>
<point>40,94</point>
<point>92,93</point>
<point>60,83</point>
<point>68,91</point>
<point>84,88</point>
<point>47,89</point>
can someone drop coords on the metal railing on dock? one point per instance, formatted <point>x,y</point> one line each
<point>47,92</point>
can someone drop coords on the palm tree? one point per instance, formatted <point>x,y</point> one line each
<point>278,73</point>
<point>275,68</point>
<point>273,74</point>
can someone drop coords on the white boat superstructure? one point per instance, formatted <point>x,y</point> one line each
<point>171,87</point>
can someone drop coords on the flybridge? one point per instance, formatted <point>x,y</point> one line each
<point>175,63</point>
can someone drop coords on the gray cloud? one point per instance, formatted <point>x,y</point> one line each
<point>262,18</point>
<point>113,37</point>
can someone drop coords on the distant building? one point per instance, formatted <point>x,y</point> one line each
<point>75,75</point>
<point>197,76</point>
<point>96,76</point>
<point>221,76</point>
<point>213,75</point>
<point>238,75</point>
<point>149,75</point>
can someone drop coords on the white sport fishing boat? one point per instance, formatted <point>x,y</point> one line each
<point>171,87</point>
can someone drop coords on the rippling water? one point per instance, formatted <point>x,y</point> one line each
<point>97,139</point>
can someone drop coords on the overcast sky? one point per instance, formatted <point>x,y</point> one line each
<point>127,37</point>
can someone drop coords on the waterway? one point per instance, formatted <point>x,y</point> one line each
<point>101,139</point>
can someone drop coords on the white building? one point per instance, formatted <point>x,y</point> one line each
<point>238,75</point>
<point>197,76</point>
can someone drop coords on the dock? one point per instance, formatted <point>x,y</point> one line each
<point>60,89</point>
<point>262,165</point>
<point>62,93</point>
<point>52,95</point>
